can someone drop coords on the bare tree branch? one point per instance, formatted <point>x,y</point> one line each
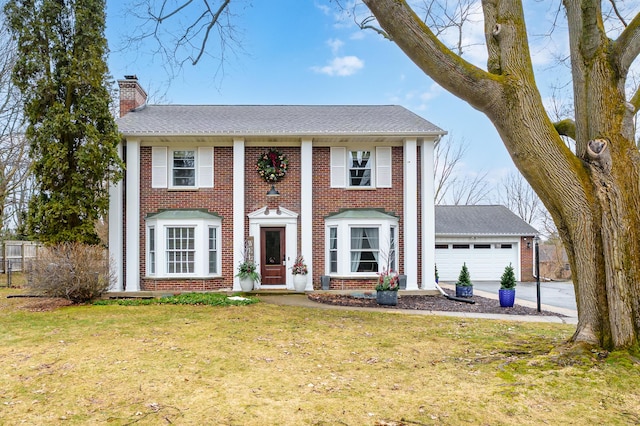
<point>451,187</point>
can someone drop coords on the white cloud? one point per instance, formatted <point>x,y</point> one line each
<point>341,66</point>
<point>335,45</point>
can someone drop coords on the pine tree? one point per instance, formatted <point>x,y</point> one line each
<point>62,74</point>
<point>508,279</point>
<point>464,279</point>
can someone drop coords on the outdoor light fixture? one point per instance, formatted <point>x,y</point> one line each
<point>273,192</point>
<point>528,244</point>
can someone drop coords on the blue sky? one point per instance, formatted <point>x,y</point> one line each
<point>302,52</point>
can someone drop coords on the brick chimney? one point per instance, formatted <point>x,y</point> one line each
<point>132,95</point>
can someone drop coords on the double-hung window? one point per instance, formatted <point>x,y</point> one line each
<point>180,249</point>
<point>183,243</point>
<point>361,168</point>
<point>361,243</point>
<point>183,169</point>
<point>365,249</point>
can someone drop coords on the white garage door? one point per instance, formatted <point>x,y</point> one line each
<point>485,261</point>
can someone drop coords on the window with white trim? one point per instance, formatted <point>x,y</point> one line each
<point>183,171</point>
<point>365,249</point>
<point>183,244</point>
<point>361,244</point>
<point>213,250</point>
<point>359,163</point>
<point>361,168</point>
<point>180,250</point>
<point>151,262</point>
<point>180,168</point>
<point>333,249</point>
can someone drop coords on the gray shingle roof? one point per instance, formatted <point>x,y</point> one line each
<point>480,220</point>
<point>255,120</point>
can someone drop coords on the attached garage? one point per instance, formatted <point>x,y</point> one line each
<point>486,238</point>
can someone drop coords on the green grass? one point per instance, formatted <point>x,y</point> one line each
<point>211,299</point>
<point>264,364</point>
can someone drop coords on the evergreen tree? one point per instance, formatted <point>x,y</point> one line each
<point>508,279</point>
<point>464,279</point>
<point>62,74</point>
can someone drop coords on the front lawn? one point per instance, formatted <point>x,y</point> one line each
<point>264,364</point>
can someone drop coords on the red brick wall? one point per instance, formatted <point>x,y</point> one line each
<point>526,259</point>
<point>327,200</point>
<point>218,200</point>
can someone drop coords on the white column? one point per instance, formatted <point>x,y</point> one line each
<point>238,207</point>
<point>306,206</point>
<point>428,214</point>
<point>133,216</point>
<point>116,229</point>
<point>411,213</point>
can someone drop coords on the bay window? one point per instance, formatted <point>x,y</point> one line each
<point>183,243</point>
<point>361,243</point>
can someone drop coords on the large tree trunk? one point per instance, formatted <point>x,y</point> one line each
<point>593,194</point>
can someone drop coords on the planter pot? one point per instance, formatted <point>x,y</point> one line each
<point>507,297</point>
<point>300,282</point>
<point>387,297</point>
<point>464,291</point>
<point>246,284</point>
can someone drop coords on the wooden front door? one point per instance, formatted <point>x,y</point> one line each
<point>272,258</point>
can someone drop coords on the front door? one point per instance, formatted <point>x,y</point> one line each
<point>272,258</point>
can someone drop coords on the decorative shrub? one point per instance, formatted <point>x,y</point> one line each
<point>74,271</point>
<point>508,279</point>
<point>464,279</point>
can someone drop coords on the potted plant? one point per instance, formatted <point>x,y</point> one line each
<point>507,292</point>
<point>248,274</point>
<point>464,286</point>
<point>299,271</point>
<point>387,288</point>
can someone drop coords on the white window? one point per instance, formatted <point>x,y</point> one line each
<point>365,249</point>
<point>183,243</point>
<point>333,249</point>
<point>181,168</point>
<point>180,250</point>
<point>151,249</point>
<point>361,243</point>
<point>213,250</point>
<point>361,168</point>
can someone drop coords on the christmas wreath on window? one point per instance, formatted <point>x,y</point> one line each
<point>272,165</point>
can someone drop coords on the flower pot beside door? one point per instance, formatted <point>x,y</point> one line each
<point>246,284</point>
<point>247,274</point>
<point>299,271</point>
<point>300,282</point>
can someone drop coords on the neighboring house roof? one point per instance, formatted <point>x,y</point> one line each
<point>480,220</point>
<point>257,120</point>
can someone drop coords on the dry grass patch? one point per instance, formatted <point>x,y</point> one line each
<point>266,364</point>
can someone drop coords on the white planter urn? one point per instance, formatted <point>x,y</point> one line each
<point>246,284</point>
<point>300,282</point>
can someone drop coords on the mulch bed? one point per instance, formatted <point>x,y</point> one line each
<point>428,303</point>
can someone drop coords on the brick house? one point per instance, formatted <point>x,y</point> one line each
<point>356,199</point>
